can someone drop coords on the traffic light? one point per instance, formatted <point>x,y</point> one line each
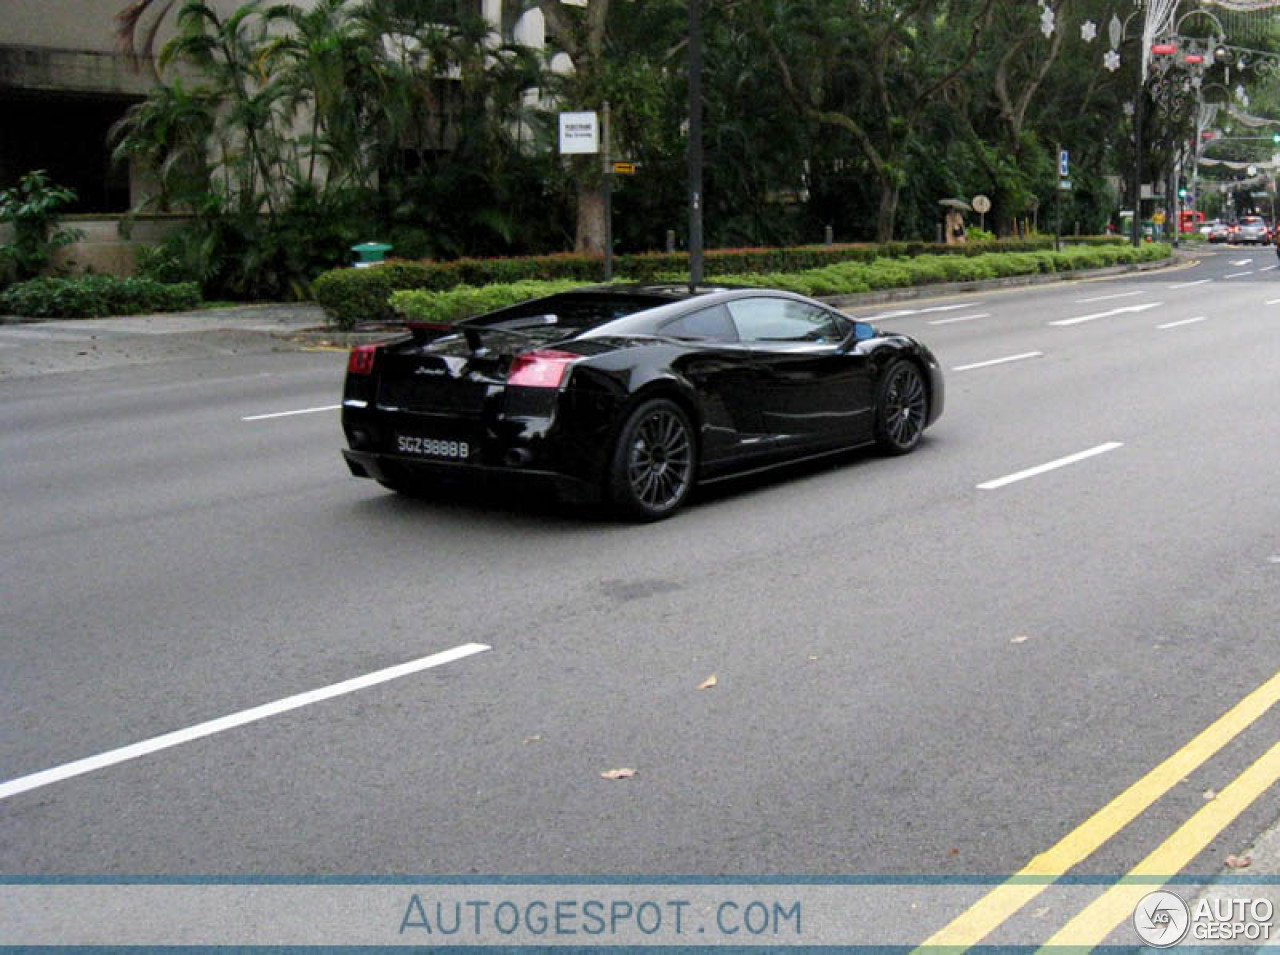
<point>1275,138</point>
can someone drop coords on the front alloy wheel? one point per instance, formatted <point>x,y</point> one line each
<point>903,408</point>
<point>652,470</point>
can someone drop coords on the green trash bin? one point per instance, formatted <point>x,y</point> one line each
<point>369,254</point>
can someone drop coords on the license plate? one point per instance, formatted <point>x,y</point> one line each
<point>438,449</point>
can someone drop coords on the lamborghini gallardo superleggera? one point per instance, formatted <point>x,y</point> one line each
<point>633,394</point>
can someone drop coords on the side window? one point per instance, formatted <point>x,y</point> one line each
<point>709,324</point>
<point>784,320</point>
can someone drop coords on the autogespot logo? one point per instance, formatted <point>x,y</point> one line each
<point>1161,919</point>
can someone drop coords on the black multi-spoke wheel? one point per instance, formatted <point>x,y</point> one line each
<point>902,408</point>
<point>653,465</point>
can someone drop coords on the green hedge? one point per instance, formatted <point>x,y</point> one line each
<point>846,278</point>
<point>356,295</point>
<point>458,303</point>
<point>96,296</point>
<point>851,278</point>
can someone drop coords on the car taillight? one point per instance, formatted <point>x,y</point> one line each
<point>540,369</point>
<point>361,360</point>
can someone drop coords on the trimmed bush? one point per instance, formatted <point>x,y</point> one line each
<point>356,295</point>
<point>852,278</point>
<point>359,295</point>
<point>96,296</point>
<point>465,300</point>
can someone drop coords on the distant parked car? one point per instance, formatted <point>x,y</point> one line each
<point>1253,230</point>
<point>1219,232</point>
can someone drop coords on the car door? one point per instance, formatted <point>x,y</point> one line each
<point>723,371</point>
<point>815,387</point>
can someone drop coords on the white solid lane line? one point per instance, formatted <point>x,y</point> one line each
<point>156,743</point>
<point>1185,321</point>
<point>899,313</point>
<point>289,414</point>
<point>949,308</point>
<point>1051,466</point>
<point>1189,284</point>
<point>999,361</point>
<point>1103,298</point>
<point>1125,310</point>
<point>962,318</point>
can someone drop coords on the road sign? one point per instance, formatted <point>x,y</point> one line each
<point>579,134</point>
<point>624,169</point>
<point>1064,163</point>
<point>1064,185</point>
<point>981,205</point>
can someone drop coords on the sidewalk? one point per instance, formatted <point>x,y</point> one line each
<point>39,347</point>
<point>43,346</point>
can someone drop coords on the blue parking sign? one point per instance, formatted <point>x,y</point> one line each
<point>1064,163</point>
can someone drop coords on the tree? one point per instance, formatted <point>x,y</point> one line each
<point>871,72</point>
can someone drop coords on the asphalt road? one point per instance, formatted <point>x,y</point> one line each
<point>938,665</point>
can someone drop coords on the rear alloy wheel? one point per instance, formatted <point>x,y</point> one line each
<point>652,469</point>
<point>902,408</point>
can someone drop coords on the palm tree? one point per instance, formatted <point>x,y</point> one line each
<point>138,42</point>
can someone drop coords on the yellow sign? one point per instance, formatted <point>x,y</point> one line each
<point>624,169</point>
<point>1158,218</point>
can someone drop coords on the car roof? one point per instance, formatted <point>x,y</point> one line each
<point>623,309</point>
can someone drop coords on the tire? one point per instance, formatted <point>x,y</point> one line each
<point>654,462</point>
<point>902,408</point>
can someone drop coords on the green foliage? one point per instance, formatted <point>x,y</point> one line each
<point>356,295</point>
<point>33,209</point>
<point>855,277</point>
<point>466,300</point>
<point>95,296</point>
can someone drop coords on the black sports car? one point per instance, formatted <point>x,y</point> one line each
<point>634,393</point>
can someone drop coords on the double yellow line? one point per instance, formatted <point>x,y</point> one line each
<point>1095,922</point>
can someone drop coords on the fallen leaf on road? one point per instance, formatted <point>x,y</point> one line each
<point>1238,862</point>
<point>708,683</point>
<point>618,773</point>
<point>1210,794</point>
<point>1020,638</point>
<point>533,739</point>
<point>1041,912</point>
<point>813,659</point>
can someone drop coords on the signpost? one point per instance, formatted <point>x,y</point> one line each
<point>1064,185</point>
<point>981,205</point>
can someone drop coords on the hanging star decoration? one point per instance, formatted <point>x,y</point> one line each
<point>1047,22</point>
<point>1111,60</point>
<point>1130,109</point>
<point>1088,31</point>
<point>1242,96</point>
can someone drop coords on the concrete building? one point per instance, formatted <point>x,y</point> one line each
<point>64,82</point>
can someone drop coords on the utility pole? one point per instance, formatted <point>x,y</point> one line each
<point>606,180</point>
<point>1137,166</point>
<point>695,144</point>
